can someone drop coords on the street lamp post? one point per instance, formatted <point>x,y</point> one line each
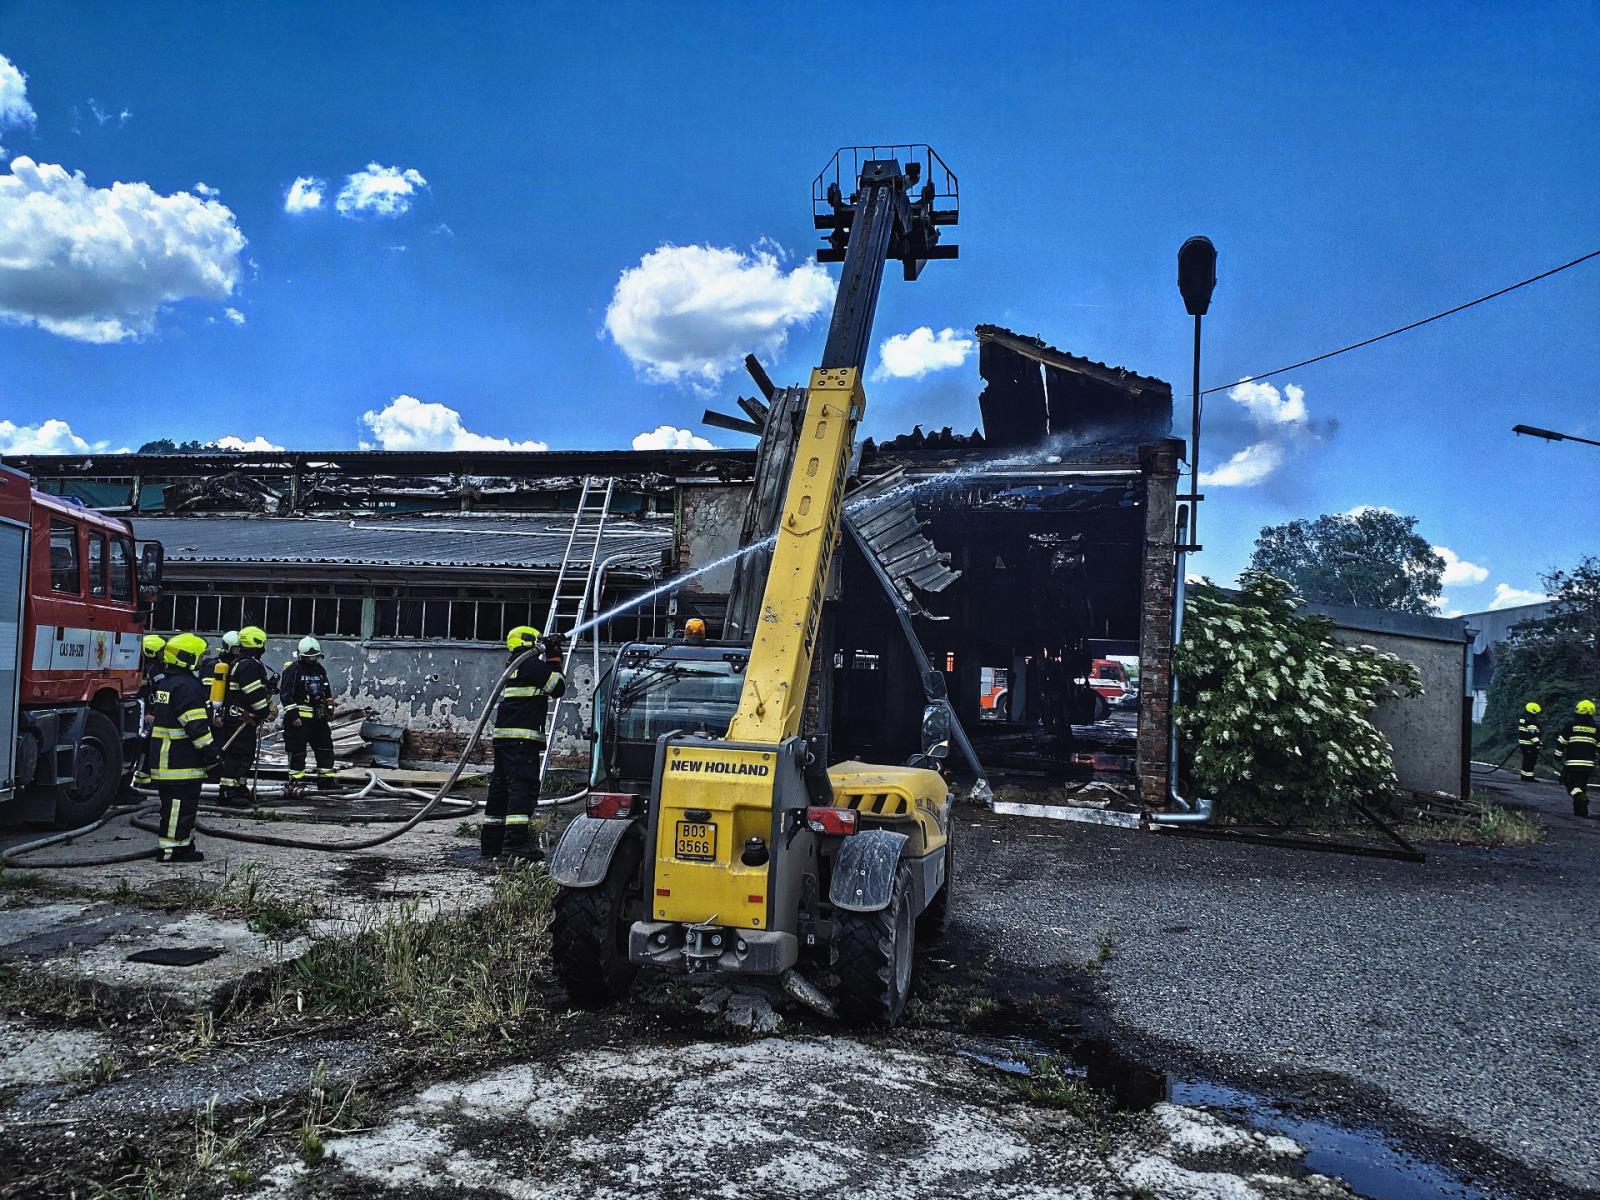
<point>1197,278</point>
<point>1550,435</point>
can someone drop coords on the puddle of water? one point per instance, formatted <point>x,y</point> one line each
<point>1364,1159</point>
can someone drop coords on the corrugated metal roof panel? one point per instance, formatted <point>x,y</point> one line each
<point>525,543</point>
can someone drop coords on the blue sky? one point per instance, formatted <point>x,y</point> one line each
<point>1357,165</point>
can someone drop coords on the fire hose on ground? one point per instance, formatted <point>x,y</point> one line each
<point>143,813</point>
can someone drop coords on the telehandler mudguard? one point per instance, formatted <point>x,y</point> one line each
<point>585,851</point>
<point>863,870</point>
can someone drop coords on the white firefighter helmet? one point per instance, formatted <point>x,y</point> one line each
<point>309,647</point>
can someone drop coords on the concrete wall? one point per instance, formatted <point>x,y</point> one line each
<point>439,688</point>
<point>1425,731</point>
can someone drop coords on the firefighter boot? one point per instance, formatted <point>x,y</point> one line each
<point>520,844</point>
<point>1580,802</point>
<point>491,839</point>
<point>182,854</point>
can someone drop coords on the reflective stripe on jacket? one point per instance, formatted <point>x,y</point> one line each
<point>525,704</point>
<point>1576,745</point>
<point>248,687</point>
<point>1528,732</point>
<point>181,742</point>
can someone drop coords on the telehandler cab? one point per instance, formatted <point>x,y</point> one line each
<point>714,841</point>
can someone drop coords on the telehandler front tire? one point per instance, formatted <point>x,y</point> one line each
<point>589,931</point>
<point>874,957</point>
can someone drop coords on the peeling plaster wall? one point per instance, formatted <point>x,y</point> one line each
<point>441,686</point>
<point>712,519</point>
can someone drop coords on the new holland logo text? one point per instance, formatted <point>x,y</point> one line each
<point>697,766</point>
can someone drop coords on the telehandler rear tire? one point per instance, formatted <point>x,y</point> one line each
<point>874,957</point>
<point>589,931</point>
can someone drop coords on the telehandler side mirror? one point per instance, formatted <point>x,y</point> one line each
<point>935,730</point>
<point>933,685</point>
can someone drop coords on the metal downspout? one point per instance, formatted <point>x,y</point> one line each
<point>1199,810</point>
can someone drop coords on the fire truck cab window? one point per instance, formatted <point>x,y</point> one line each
<point>97,565</point>
<point>122,569</point>
<point>64,558</point>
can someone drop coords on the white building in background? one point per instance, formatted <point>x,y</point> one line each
<point>1490,630</point>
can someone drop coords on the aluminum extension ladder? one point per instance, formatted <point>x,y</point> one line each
<point>570,602</point>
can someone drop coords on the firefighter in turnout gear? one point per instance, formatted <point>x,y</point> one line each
<point>1576,746</point>
<point>307,704</point>
<point>245,707</point>
<point>1529,739</point>
<point>182,746</point>
<point>519,723</point>
<point>151,669</point>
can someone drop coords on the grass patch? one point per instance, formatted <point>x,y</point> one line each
<point>959,1004</point>
<point>329,1109</point>
<point>247,893</point>
<point>1050,1083</point>
<point>446,978</point>
<point>1492,825</point>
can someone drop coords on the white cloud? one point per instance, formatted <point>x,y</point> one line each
<point>15,111</point>
<point>47,437</point>
<point>234,442</point>
<point>1246,468</point>
<point>1457,571</point>
<point>1506,596</point>
<point>1362,509</point>
<point>668,437</point>
<point>1283,424</point>
<point>912,355</point>
<point>407,423</point>
<point>205,189</point>
<point>103,117</point>
<point>304,194</point>
<point>99,264</point>
<point>379,191</point>
<point>1267,406</point>
<point>689,314</point>
<point>234,315</point>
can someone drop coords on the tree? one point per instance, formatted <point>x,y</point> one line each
<point>1274,715</point>
<point>1372,557</point>
<point>168,446</point>
<point>1553,661</point>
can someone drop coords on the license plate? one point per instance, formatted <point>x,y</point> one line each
<point>697,841</point>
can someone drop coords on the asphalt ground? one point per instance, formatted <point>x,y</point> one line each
<point>1457,996</point>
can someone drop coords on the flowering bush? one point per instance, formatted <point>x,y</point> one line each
<point>1274,715</point>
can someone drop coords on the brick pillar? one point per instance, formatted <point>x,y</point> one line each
<point>1159,463</point>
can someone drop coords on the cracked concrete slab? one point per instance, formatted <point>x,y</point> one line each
<point>34,1055</point>
<point>787,1118</point>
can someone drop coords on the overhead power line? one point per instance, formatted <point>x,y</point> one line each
<point>1305,362</point>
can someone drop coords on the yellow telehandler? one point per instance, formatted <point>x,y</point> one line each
<point>714,841</point>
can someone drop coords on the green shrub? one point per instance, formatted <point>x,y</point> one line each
<point>1275,716</point>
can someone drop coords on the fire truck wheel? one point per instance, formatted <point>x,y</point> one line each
<point>96,776</point>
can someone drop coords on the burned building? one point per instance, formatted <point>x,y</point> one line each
<point>1010,560</point>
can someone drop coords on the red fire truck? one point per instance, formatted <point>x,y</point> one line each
<point>73,590</point>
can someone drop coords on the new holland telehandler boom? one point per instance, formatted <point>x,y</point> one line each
<point>714,841</point>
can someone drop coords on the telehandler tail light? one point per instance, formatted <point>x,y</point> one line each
<point>825,819</point>
<point>609,806</point>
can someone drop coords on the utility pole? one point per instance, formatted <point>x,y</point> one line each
<point>1197,278</point>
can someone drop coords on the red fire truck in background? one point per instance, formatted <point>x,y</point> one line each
<point>74,588</point>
